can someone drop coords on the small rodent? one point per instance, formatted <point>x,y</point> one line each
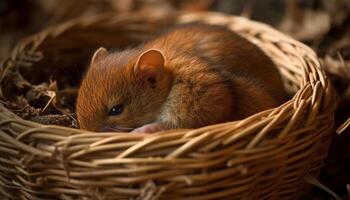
<point>187,77</point>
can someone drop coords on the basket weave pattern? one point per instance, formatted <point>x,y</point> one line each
<point>262,157</point>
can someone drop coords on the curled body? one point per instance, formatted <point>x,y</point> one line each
<point>187,77</point>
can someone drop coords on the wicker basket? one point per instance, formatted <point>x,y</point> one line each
<point>264,156</point>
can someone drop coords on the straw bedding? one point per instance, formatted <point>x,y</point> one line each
<point>265,156</point>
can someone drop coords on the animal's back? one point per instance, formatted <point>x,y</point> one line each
<point>195,50</point>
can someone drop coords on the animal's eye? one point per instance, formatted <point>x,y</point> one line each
<point>116,110</point>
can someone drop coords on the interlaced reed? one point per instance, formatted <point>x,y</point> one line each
<point>264,156</point>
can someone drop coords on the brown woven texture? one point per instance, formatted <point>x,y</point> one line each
<point>264,156</point>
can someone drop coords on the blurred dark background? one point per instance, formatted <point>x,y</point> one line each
<point>324,25</point>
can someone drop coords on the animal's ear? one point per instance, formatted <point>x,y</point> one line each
<point>150,66</point>
<point>99,53</point>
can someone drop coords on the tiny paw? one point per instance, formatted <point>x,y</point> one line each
<point>150,128</point>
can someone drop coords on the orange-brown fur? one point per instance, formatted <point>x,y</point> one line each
<point>211,75</point>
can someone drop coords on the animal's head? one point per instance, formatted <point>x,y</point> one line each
<point>122,90</point>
